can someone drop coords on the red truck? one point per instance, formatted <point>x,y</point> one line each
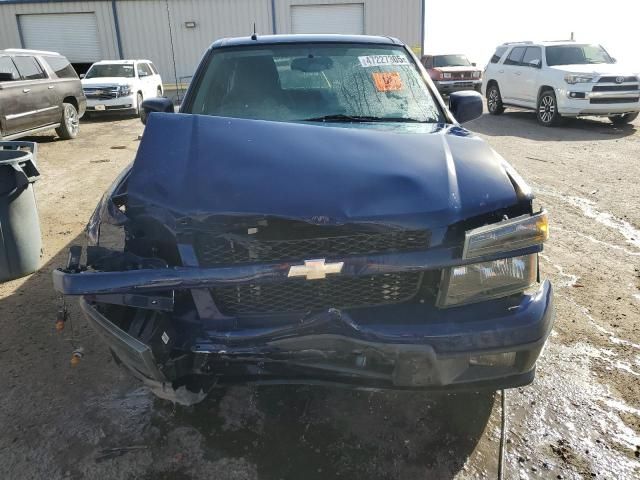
<point>453,72</point>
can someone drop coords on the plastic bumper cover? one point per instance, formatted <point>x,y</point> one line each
<point>584,106</point>
<point>450,352</point>
<point>458,85</point>
<point>120,104</point>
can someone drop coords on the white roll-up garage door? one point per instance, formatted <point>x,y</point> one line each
<point>339,18</point>
<point>74,35</point>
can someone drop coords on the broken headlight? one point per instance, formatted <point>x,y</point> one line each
<point>508,235</point>
<point>487,280</point>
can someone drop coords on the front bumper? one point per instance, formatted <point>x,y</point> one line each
<point>120,104</point>
<point>449,86</point>
<point>596,103</point>
<point>400,347</point>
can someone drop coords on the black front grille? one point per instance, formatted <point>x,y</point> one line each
<point>233,249</point>
<point>602,101</point>
<point>615,79</point>
<point>614,88</point>
<point>300,296</point>
<point>101,93</point>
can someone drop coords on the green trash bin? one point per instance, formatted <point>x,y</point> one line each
<point>20,237</point>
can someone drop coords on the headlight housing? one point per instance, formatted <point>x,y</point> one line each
<point>124,90</point>
<point>508,235</point>
<point>476,74</point>
<point>487,280</point>
<point>446,75</point>
<point>573,78</point>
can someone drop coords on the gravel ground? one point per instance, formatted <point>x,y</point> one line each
<point>580,418</point>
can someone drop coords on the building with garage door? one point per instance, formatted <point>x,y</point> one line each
<point>174,33</point>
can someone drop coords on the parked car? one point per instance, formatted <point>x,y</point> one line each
<point>39,91</point>
<point>453,72</point>
<point>121,86</point>
<point>315,213</point>
<point>561,79</point>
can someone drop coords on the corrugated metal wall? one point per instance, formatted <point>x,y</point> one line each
<point>144,29</point>
<point>396,18</point>
<point>10,36</point>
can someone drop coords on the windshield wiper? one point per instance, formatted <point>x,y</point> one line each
<point>340,117</point>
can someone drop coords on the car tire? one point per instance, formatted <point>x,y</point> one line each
<point>70,123</point>
<point>623,119</point>
<point>547,109</point>
<point>159,92</point>
<point>494,100</point>
<point>141,113</point>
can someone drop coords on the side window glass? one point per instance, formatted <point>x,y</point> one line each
<point>61,67</point>
<point>515,56</point>
<point>8,71</point>
<point>29,68</point>
<point>533,55</point>
<point>498,54</point>
<point>143,70</point>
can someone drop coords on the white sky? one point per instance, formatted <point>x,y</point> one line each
<point>476,27</point>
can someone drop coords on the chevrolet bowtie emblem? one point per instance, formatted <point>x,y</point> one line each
<point>315,269</point>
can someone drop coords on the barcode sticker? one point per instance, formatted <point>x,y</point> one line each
<point>383,60</point>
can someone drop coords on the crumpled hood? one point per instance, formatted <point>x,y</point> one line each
<point>198,166</point>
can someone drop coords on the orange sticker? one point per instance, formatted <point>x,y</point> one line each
<point>387,81</point>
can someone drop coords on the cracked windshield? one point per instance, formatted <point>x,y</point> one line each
<point>313,83</point>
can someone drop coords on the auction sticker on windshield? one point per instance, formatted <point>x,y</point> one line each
<point>383,60</point>
<point>387,81</point>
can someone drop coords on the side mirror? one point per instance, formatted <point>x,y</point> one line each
<point>474,64</point>
<point>82,75</point>
<point>158,104</point>
<point>466,105</point>
<point>537,63</point>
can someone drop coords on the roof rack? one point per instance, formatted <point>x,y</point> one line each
<point>528,42</point>
<point>559,41</point>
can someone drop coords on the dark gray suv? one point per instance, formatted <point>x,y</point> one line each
<point>39,91</point>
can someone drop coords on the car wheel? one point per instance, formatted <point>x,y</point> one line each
<point>548,115</point>
<point>623,119</point>
<point>141,113</point>
<point>494,100</point>
<point>70,124</point>
<point>159,92</point>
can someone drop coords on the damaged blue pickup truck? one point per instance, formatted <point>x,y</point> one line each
<point>315,214</point>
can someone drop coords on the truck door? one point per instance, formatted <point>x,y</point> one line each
<point>527,85</point>
<point>146,79</point>
<point>511,73</point>
<point>11,105</point>
<point>42,108</point>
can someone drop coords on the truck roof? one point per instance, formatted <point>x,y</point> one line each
<point>544,43</point>
<point>314,38</point>
<point>123,62</point>
<point>27,51</point>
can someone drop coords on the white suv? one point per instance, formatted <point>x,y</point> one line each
<point>561,79</point>
<point>121,86</point>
